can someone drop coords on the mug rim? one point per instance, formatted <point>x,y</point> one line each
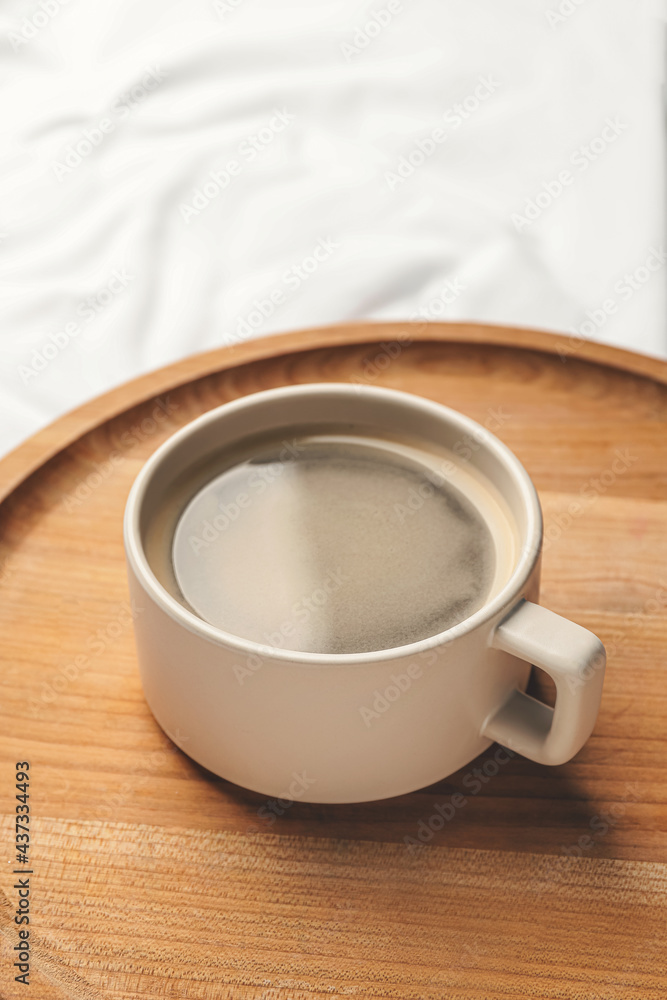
<point>530,542</point>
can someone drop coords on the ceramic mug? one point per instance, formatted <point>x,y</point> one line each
<point>359,726</point>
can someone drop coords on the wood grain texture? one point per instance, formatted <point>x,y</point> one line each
<point>304,918</point>
<point>155,878</point>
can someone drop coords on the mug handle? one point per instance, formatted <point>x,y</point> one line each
<point>575,659</point>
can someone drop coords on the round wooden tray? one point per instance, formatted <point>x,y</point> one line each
<point>151,877</point>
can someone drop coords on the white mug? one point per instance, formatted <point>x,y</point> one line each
<point>359,726</point>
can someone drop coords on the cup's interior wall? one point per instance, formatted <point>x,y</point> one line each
<point>326,408</point>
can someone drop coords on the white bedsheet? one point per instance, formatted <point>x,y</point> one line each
<point>181,175</point>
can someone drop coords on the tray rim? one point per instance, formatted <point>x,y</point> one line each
<point>28,456</point>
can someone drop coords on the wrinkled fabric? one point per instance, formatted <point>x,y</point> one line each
<point>180,176</point>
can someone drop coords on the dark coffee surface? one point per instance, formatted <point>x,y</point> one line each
<point>333,546</point>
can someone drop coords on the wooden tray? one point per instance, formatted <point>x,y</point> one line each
<point>154,878</point>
